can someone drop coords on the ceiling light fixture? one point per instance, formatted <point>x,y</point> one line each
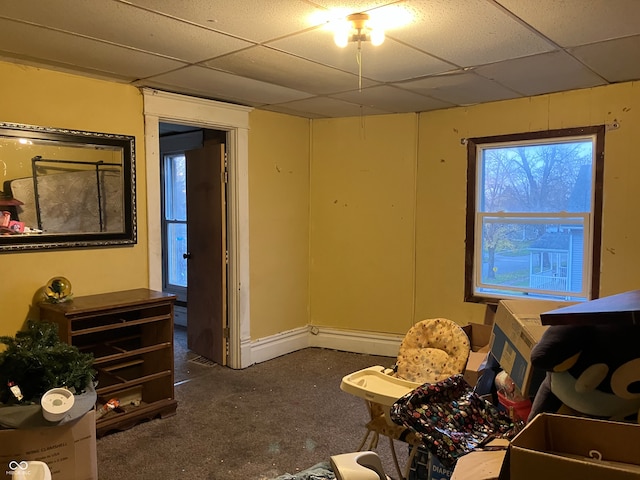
<point>358,28</point>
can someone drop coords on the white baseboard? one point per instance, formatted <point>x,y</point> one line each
<point>279,344</point>
<point>245,355</point>
<point>372,343</point>
<point>312,336</point>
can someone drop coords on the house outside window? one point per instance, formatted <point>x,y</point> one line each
<point>534,208</point>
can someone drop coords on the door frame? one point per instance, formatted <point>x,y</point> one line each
<point>167,107</point>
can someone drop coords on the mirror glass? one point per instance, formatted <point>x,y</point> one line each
<point>65,188</point>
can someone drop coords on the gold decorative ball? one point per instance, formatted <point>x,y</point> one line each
<point>58,289</point>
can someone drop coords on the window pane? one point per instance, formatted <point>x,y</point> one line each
<point>175,188</point>
<point>534,214</point>
<point>176,246</point>
<point>542,256</point>
<point>549,177</point>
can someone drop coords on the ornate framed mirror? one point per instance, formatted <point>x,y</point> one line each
<point>65,188</point>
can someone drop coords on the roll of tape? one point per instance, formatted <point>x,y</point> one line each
<point>56,403</point>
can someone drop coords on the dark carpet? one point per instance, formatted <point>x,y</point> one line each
<point>281,416</point>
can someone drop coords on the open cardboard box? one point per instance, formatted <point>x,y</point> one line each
<point>482,464</point>
<point>516,329</point>
<point>561,447</point>
<point>479,335</point>
<point>69,449</point>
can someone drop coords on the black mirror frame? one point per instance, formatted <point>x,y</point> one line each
<point>17,243</point>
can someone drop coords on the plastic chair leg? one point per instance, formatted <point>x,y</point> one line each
<point>395,459</point>
<point>412,455</point>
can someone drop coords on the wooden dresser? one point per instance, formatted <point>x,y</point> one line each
<point>130,334</point>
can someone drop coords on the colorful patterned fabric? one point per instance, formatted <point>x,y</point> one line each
<point>382,426</point>
<point>433,350</point>
<point>450,418</point>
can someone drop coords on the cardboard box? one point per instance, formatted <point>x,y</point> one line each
<point>69,450</point>
<point>426,466</point>
<point>516,329</point>
<point>479,336</point>
<point>479,465</point>
<point>559,447</point>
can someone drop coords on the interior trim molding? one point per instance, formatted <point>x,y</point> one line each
<point>282,343</point>
<point>162,106</point>
<point>371,343</point>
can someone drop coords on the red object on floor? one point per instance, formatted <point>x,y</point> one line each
<point>518,410</point>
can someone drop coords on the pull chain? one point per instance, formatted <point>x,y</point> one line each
<point>359,60</point>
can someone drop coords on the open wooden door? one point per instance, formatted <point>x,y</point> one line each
<point>207,246</point>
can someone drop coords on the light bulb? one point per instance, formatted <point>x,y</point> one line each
<point>341,31</point>
<point>341,38</point>
<point>377,37</point>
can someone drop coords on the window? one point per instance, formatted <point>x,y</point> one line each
<point>175,140</point>
<point>175,220</point>
<point>534,206</point>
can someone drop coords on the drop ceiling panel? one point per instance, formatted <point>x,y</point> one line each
<point>549,72</point>
<point>253,20</point>
<point>353,6</point>
<point>616,60</point>
<point>460,89</point>
<point>469,32</point>
<point>83,53</point>
<point>224,86</point>
<point>577,22</point>
<point>329,107</point>
<point>283,69</point>
<point>391,61</point>
<point>134,27</point>
<point>392,99</point>
<point>283,108</point>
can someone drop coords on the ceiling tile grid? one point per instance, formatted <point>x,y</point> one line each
<point>290,71</point>
<point>279,55</point>
<point>44,46</point>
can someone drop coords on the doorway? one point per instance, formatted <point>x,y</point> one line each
<point>168,107</point>
<point>194,250</point>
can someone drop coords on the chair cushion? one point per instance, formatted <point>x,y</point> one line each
<point>433,350</point>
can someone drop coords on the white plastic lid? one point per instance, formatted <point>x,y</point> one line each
<point>56,403</point>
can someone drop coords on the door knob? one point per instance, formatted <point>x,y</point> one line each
<point>186,255</point>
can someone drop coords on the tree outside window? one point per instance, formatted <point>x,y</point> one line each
<point>534,215</point>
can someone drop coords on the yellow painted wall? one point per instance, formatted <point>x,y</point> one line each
<point>370,177</point>
<point>355,223</point>
<point>42,97</point>
<point>362,222</point>
<point>278,222</point>
<point>442,174</point>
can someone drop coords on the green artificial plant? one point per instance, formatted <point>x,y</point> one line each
<point>37,361</point>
